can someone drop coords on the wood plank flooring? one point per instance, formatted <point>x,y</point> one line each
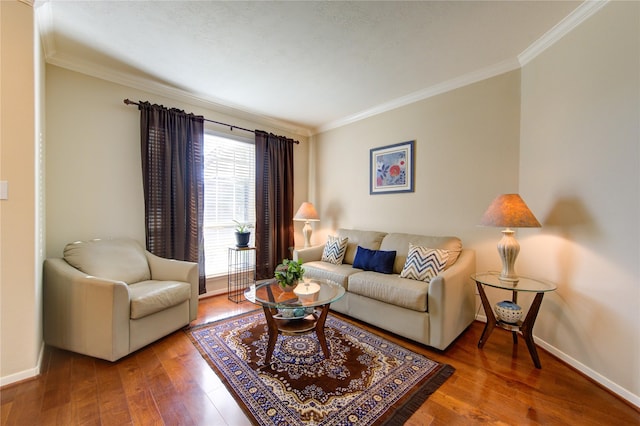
<point>168,383</point>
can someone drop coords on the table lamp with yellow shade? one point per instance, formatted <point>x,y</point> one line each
<point>509,211</point>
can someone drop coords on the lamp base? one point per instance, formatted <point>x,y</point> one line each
<point>306,231</point>
<point>508,248</point>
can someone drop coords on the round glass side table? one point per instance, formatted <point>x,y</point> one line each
<point>524,284</point>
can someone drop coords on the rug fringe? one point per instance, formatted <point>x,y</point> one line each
<point>190,328</point>
<point>433,382</point>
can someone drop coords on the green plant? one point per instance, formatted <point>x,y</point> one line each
<point>242,228</point>
<point>289,272</point>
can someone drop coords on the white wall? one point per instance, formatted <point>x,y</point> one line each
<point>580,170</point>
<point>466,154</point>
<point>20,250</point>
<point>94,178</point>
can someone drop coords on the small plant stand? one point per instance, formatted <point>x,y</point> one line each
<point>242,272</point>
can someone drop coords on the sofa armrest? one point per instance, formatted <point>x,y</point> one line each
<point>84,314</point>
<point>308,254</point>
<point>177,270</point>
<point>451,301</point>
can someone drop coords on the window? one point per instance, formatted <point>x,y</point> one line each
<point>229,194</point>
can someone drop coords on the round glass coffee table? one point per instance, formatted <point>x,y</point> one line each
<point>287,314</point>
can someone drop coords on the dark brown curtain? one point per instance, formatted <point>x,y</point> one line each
<point>274,202</point>
<point>172,173</point>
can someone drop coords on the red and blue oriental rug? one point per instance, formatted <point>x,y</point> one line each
<point>368,380</point>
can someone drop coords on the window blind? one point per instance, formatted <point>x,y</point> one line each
<point>229,194</point>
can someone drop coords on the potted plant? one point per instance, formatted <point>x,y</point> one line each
<point>288,273</point>
<point>242,234</point>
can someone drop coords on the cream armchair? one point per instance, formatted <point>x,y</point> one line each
<point>108,298</point>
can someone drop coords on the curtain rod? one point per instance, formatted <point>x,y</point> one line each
<point>230,126</point>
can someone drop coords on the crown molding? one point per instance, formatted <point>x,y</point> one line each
<point>161,89</point>
<point>45,26</point>
<point>44,20</point>
<point>571,21</point>
<point>429,92</point>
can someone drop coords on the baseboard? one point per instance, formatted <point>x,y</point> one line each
<point>25,374</point>
<point>593,375</point>
<point>583,369</point>
<point>213,293</point>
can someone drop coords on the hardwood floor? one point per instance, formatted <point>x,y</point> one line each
<point>169,383</point>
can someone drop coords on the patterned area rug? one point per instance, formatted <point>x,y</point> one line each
<point>368,380</point>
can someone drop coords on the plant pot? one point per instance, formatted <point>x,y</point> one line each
<point>242,239</point>
<point>288,288</point>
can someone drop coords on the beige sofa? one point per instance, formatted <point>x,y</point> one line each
<point>108,298</point>
<point>434,313</point>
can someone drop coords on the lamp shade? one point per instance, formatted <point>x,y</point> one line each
<point>306,212</point>
<point>510,211</point>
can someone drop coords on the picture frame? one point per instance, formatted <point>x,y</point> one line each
<point>391,168</point>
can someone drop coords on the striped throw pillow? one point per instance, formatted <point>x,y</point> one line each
<point>334,250</point>
<point>424,263</point>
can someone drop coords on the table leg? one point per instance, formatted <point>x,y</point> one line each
<point>514,334</point>
<point>273,332</point>
<point>320,330</point>
<point>491,318</point>
<point>527,328</point>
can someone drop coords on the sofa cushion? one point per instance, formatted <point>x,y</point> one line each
<point>149,297</point>
<point>318,269</point>
<point>366,239</point>
<point>424,263</point>
<point>392,289</point>
<point>334,249</point>
<point>400,243</point>
<point>374,260</point>
<point>116,259</point>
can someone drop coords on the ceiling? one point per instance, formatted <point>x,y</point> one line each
<point>307,65</point>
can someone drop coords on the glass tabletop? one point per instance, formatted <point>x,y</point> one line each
<point>270,294</point>
<point>534,285</point>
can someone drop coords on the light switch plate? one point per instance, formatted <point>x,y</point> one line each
<point>4,190</point>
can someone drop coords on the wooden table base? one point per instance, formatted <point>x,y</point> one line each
<point>277,326</point>
<point>525,327</point>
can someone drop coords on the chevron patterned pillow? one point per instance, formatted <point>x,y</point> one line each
<point>335,249</point>
<point>424,263</point>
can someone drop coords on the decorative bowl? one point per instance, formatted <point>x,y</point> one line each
<point>286,313</point>
<point>307,291</point>
<point>508,311</point>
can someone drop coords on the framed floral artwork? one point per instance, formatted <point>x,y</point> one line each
<point>391,168</point>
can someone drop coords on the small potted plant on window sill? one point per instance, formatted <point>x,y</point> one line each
<point>288,273</point>
<point>242,234</point>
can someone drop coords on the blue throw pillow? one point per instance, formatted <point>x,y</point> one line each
<point>363,258</point>
<point>383,261</point>
<point>374,260</point>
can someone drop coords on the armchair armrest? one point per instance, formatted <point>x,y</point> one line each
<point>309,254</point>
<point>83,313</point>
<point>451,301</point>
<point>176,270</point>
